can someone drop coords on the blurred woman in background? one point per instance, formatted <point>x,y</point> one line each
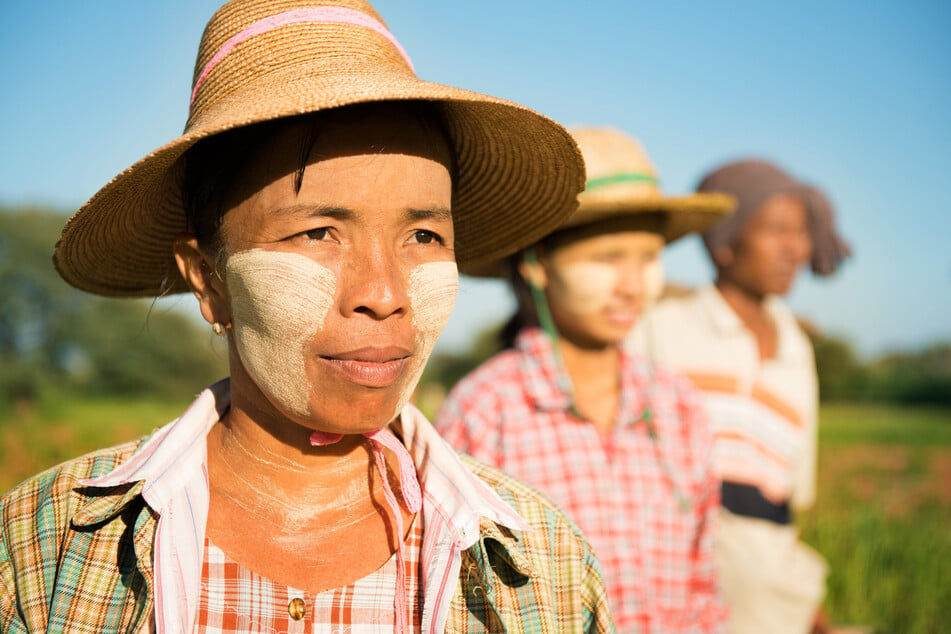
<point>623,448</point>
<point>744,350</point>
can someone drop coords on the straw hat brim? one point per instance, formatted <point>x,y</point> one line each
<point>682,215</point>
<point>518,174</point>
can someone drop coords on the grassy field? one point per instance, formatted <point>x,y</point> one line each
<point>883,517</point>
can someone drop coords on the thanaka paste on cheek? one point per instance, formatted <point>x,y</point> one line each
<point>586,287</point>
<point>432,294</point>
<point>653,278</point>
<point>278,301</point>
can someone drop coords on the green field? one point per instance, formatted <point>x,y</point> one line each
<point>883,517</point>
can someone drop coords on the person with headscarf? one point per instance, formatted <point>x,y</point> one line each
<point>623,447</point>
<point>745,351</point>
<point>317,206</point>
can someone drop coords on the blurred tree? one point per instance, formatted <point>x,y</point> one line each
<point>54,336</point>
<point>922,377</point>
<point>841,375</point>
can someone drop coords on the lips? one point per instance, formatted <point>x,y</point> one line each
<point>369,367</point>
<point>624,317</point>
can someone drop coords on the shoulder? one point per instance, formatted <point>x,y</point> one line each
<point>566,589</point>
<point>686,307</point>
<point>535,507</point>
<point>56,492</point>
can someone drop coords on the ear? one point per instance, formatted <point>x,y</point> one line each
<point>723,257</point>
<point>533,273</point>
<point>201,277</point>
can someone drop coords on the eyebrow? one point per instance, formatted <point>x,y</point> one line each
<point>439,214</point>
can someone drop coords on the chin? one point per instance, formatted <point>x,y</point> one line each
<point>354,414</point>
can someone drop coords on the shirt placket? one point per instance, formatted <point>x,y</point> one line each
<point>300,612</point>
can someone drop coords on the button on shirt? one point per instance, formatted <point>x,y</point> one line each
<point>646,504</point>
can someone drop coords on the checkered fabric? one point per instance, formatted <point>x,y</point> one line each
<point>236,600</point>
<point>645,494</point>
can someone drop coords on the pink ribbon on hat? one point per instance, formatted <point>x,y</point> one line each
<point>312,15</point>
<point>409,488</point>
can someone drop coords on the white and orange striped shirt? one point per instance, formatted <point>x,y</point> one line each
<point>763,412</point>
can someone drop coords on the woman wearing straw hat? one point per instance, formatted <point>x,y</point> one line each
<point>745,351</point>
<point>316,205</point>
<point>624,449</point>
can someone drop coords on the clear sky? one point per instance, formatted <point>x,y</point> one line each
<point>852,96</point>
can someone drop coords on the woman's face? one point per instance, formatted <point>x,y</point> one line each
<point>339,279</point>
<point>772,248</point>
<point>597,287</point>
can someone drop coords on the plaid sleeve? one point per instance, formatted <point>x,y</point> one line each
<point>594,599</point>
<point>567,593</point>
<point>9,619</point>
<point>706,605</point>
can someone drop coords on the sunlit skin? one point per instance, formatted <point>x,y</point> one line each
<point>768,254</point>
<point>596,289</point>
<point>373,207</point>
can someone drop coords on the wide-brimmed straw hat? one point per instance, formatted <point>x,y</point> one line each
<point>622,181</point>
<point>623,185</point>
<point>517,172</point>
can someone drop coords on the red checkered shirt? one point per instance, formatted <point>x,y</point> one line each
<point>231,593</point>
<point>644,494</point>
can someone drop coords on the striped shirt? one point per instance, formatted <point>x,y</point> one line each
<point>113,541</point>
<point>763,412</point>
<point>644,494</point>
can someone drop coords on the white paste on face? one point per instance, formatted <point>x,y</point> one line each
<point>585,287</point>
<point>432,294</point>
<point>278,301</point>
<point>653,279</point>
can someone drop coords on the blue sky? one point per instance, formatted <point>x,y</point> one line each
<point>852,96</point>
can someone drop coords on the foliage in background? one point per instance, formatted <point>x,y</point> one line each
<point>921,377</point>
<point>55,338</point>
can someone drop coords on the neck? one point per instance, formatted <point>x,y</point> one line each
<point>250,462</point>
<point>742,300</point>
<point>589,365</point>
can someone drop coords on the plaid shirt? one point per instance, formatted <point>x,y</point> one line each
<point>647,504</point>
<point>82,547</point>
<point>231,592</point>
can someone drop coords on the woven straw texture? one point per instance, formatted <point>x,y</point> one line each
<point>518,172</point>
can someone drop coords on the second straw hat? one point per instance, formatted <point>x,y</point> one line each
<point>621,180</point>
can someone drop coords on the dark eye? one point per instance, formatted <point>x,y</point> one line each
<point>317,234</point>
<point>426,237</point>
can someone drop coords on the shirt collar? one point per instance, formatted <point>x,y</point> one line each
<point>166,461</point>
<point>448,486</point>
<point>722,316</point>
<point>726,321</point>
<point>163,464</point>
<point>545,378</point>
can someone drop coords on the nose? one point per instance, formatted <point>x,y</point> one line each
<point>798,247</point>
<point>374,284</point>
<point>630,282</point>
